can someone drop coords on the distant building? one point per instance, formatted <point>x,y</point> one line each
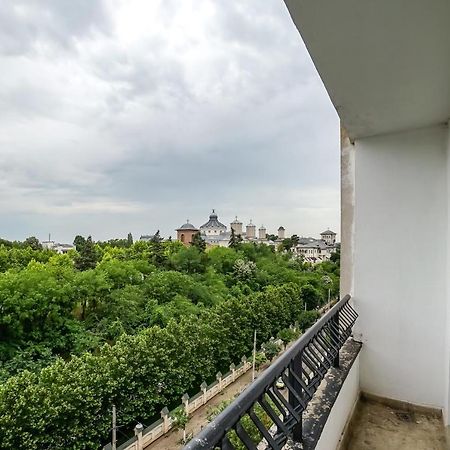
<point>316,250</point>
<point>236,225</point>
<point>215,233</point>
<point>262,233</point>
<point>186,232</point>
<point>57,247</point>
<point>329,236</point>
<point>48,245</point>
<point>250,231</point>
<point>63,248</point>
<point>213,227</point>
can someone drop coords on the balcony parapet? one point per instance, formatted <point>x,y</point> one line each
<point>302,369</point>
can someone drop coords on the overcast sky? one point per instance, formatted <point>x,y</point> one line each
<point>135,115</point>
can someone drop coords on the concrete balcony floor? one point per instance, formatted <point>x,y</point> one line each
<point>379,427</point>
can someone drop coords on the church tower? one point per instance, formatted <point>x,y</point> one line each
<point>251,231</point>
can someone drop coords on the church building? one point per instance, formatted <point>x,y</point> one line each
<point>186,232</point>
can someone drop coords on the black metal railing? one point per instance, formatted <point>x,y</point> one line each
<point>271,407</point>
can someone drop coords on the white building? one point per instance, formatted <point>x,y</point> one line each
<point>328,236</point>
<point>316,250</point>
<point>57,247</point>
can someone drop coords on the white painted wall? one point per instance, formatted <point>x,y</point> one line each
<point>341,411</point>
<point>447,337</point>
<point>400,215</point>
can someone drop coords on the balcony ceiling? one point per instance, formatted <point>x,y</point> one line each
<point>385,63</point>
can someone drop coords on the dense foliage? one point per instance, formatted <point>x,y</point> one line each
<point>136,325</point>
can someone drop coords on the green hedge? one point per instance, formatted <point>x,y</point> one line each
<point>67,405</point>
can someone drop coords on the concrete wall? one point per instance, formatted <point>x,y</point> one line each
<point>347,212</point>
<point>400,272</point>
<point>447,337</point>
<point>341,411</point>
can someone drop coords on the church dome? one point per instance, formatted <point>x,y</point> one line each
<point>213,222</point>
<point>188,226</point>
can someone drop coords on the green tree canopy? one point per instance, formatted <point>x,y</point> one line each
<point>198,242</point>
<point>87,256</point>
<point>33,243</point>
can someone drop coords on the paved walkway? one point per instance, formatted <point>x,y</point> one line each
<point>199,418</point>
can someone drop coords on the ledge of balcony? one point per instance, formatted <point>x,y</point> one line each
<point>318,411</point>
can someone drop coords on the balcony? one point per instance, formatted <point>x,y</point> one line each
<point>294,398</point>
<point>319,404</point>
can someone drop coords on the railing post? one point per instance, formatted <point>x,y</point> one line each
<point>138,433</point>
<point>219,379</point>
<point>335,333</point>
<point>233,372</point>
<point>185,403</point>
<point>204,387</point>
<point>165,418</point>
<point>296,367</point>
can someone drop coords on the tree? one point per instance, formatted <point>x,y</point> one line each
<point>336,256</point>
<point>260,359</point>
<point>310,296</point>
<point>294,240</point>
<point>198,242</point>
<point>158,255</point>
<point>180,421</point>
<point>244,270</point>
<point>189,259</point>
<point>271,349</point>
<point>168,328</point>
<point>87,256</point>
<point>33,243</point>
<point>288,334</point>
<point>79,243</point>
<point>235,240</point>
<point>286,244</point>
<point>130,239</point>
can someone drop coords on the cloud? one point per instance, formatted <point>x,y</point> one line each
<point>152,112</point>
<point>32,25</point>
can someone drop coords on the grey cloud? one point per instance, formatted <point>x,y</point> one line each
<point>232,117</point>
<point>25,24</point>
